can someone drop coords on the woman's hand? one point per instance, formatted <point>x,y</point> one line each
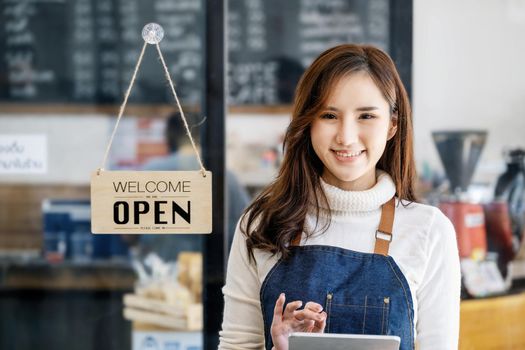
<point>310,319</point>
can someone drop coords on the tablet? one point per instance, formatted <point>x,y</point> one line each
<point>316,341</point>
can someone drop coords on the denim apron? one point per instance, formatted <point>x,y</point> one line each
<point>362,293</point>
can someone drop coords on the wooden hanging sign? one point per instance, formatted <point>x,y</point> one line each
<point>151,202</point>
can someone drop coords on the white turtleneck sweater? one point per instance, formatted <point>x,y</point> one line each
<point>423,246</point>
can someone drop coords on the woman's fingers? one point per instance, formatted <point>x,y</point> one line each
<point>278,310</point>
<point>311,318</point>
<point>291,307</point>
<point>279,314</point>
<point>308,326</point>
<point>311,311</point>
<point>313,306</point>
<point>307,314</point>
<point>319,326</point>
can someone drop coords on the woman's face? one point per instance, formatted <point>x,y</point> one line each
<point>350,133</point>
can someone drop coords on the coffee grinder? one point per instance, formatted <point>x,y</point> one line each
<point>460,152</point>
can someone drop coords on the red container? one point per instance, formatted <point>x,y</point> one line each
<point>469,221</point>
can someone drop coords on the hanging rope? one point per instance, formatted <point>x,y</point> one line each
<point>203,170</point>
<point>123,106</point>
<point>128,92</point>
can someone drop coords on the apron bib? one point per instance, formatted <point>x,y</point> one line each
<point>362,293</point>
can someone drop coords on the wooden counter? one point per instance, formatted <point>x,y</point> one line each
<point>493,323</point>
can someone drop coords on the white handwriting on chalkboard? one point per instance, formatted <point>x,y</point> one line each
<point>234,31</point>
<point>179,6</point>
<point>326,23</point>
<point>19,9</point>
<point>16,26</point>
<point>253,83</point>
<point>82,9</point>
<point>83,56</point>
<point>19,58</point>
<point>20,39</point>
<point>190,42</point>
<point>25,75</point>
<point>256,30</point>
<point>104,5</point>
<point>22,75</point>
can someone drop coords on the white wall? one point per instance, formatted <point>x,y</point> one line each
<point>469,73</point>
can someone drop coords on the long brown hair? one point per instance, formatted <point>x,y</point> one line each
<point>277,215</point>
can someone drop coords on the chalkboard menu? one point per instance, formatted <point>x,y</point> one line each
<point>272,42</point>
<point>84,51</point>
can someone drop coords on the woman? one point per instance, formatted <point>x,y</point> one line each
<point>337,242</point>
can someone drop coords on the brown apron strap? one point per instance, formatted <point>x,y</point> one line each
<point>384,232</point>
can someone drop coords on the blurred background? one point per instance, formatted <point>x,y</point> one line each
<point>64,68</point>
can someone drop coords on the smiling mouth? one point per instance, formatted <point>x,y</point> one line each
<point>348,155</point>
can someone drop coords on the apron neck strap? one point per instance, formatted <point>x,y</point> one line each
<point>383,233</point>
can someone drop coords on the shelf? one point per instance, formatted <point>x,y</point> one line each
<point>39,274</point>
<point>261,109</point>
<point>56,109</point>
<point>139,110</point>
